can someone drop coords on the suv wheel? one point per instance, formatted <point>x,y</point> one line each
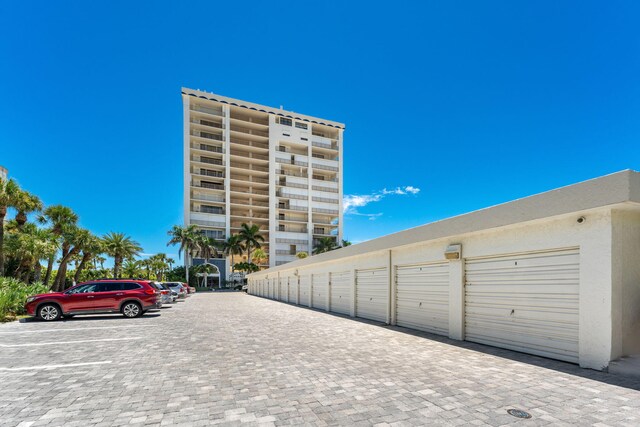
<point>49,312</point>
<point>132,309</point>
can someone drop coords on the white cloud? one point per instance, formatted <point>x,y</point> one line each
<point>351,202</point>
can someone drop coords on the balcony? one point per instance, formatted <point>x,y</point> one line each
<point>291,173</point>
<point>285,252</point>
<point>246,202</point>
<point>207,210</point>
<point>249,131</point>
<point>249,166</point>
<point>208,223</point>
<point>286,195</point>
<point>207,147</point>
<point>292,208</point>
<point>253,144</point>
<point>324,167</point>
<point>207,198</point>
<point>324,200</point>
<point>207,110</point>
<point>325,211</point>
<point>292,229</point>
<point>207,135</point>
<point>251,179</point>
<point>283,217</point>
<point>249,191</point>
<point>326,189</point>
<point>208,172</point>
<point>209,185</point>
<point>249,155</point>
<point>209,123</point>
<point>326,145</point>
<point>292,162</point>
<point>263,121</point>
<point>291,184</point>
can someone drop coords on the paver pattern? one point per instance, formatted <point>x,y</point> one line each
<point>235,359</point>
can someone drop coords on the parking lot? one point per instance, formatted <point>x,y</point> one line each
<point>230,358</point>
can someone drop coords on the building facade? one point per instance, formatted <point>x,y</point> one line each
<point>4,174</point>
<point>253,164</point>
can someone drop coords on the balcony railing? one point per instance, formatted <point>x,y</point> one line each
<point>324,167</point>
<point>207,172</point>
<point>254,144</point>
<point>208,223</point>
<point>327,211</point>
<point>236,128</point>
<point>207,147</point>
<point>249,215</point>
<point>249,203</point>
<point>249,167</point>
<point>291,173</point>
<point>293,208</point>
<point>209,186</point>
<point>249,155</point>
<point>206,135</point>
<point>327,189</point>
<point>202,209</point>
<point>292,162</point>
<point>250,179</point>
<point>314,177</point>
<point>212,111</point>
<point>291,184</point>
<point>292,241</point>
<point>208,197</point>
<point>250,119</point>
<point>324,200</point>
<point>249,191</point>
<point>324,145</point>
<point>286,195</point>
<point>291,218</point>
<point>285,252</point>
<point>207,123</point>
<point>323,221</point>
<point>291,229</point>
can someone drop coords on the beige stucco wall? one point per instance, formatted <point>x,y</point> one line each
<point>626,283</point>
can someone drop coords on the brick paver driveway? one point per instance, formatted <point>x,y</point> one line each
<point>230,358</point>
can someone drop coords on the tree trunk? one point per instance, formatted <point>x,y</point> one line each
<point>37,271</point>
<point>3,213</point>
<point>47,275</point>
<point>186,265</point>
<point>116,267</point>
<point>85,258</point>
<point>61,275</point>
<point>249,253</point>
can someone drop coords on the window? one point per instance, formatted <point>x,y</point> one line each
<point>301,125</point>
<point>130,286</point>
<point>318,177</point>
<point>318,156</point>
<point>84,289</point>
<point>304,139</point>
<point>285,121</point>
<point>281,227</point>
<point>109,287</point>
<point>281,216</point>
<point>292,249</point>
<point>211,209</point>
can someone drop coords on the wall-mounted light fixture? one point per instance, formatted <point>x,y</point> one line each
<point>295,273</point>
<point>453,251</point>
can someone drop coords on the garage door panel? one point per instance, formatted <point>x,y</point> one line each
<point>320,290</point>
<point>422,297</point>
<point>341,292</point>
<point>304,290</point>
<point>526,302</point>
<point>293,290</point>
<point>372,293</point>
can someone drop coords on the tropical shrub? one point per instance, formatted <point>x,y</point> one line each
<point>13,295</point>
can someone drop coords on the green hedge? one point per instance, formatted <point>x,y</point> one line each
<point>13,295</point>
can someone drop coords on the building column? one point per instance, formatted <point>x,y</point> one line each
<point>456,299</point>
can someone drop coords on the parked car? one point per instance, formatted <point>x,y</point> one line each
<point>191,289</point>
<point>165,293</point>
<point>132,298</point>
<point>179,288</point>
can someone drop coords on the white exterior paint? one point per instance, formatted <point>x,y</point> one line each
<point>372,294</point>
<point>341,292</point>
<point>600,219</point>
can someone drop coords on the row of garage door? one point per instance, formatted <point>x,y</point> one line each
<point>525,302</point>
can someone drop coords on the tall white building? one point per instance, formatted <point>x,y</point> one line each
<point>249,163</point>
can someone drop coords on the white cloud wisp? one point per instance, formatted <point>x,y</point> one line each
<point>351,202</point>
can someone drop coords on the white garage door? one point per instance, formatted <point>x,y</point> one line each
<point>320,290</point>
<point>293,290</point>
<point>341,292</point>
<point>422,299</point>
<point>526,302</point>
<point>372,293</point>
<point>274,288</point>
<point>304,290</point>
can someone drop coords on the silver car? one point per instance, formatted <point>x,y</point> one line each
<point>165,293</point>
<point>178,288</point>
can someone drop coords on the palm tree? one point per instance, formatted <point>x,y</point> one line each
<point>302,255</point>
<point>120,247</point>
<point>74,240</point>
<point>260,256</point>
<point>345,243</point>
<point>204,269</point>
<point>27,247</point>
<point>251,237</point>
<point>8,193</point>
<point>131,268</point>
<point>233,246</point>
<point>207,247</point>
<point>324,244</point>
<point>185,237</point>
<point>98,259</point>
<point>92,247</point>
<point>26,203</point>
<point>60,218</point>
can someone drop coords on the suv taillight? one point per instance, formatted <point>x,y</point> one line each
<point>150,291</point>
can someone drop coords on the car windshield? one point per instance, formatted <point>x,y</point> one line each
<point>82,289</point>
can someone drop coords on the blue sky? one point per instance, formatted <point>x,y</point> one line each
<point>471,103</point>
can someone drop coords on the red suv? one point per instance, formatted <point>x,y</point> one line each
<point>129,297</point>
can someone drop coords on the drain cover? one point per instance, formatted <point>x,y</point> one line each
<point>519,413</point>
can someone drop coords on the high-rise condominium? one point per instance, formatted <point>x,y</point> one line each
<point>248,163</point>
